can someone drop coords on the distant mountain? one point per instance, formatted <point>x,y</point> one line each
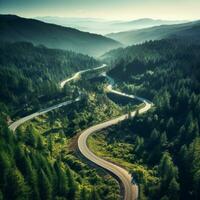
<point>145,23</point>
<point>14,28</point>
<point>101,26</point>
<point>185,30</point>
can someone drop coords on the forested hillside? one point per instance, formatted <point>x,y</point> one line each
<point>166,140</point>
<point>99,100</point>
<point>17,29</point>
<point>161,149</point>
<point>39,161</point>
<point>189,31</point>
<point>28,73</point>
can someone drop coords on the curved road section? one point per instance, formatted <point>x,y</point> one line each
<point>130,190</point>
<point>78,74</point>
<point>17,123</point>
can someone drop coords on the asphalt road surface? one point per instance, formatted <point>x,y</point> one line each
<point>77,75</point>
<point>17,123</point>
<point>130,190</point>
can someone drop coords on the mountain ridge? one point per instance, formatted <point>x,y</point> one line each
<point>156,33</point>
<point>105,26</point>
<point>14,28</point>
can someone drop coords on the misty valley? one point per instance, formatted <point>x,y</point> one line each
<point>95,109</point>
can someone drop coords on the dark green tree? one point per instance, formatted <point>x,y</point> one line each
<point>45,186</point>
<point>16,188</point>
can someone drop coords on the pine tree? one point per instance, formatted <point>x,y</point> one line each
<point>32,180</point>
<point>40,144</point>
<point>196,179</point>
<point>194,158</point>
<point>30,138</point>
<point>16,187</point>
<point>83,194</point>
<point>168,172</point>
<point>21,160</point>
<point>173,190</point>
<point>5,165</point>
<point>170,127</point>
<point>163,139</point>
<point>50,144</point>
<point>71,185</point>
<point>62,188</point>
<point>94,195</point>
<point>154,138</point>
<point>44,186</point>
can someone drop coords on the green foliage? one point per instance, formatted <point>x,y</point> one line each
<point>169,176</point>
<point>83,194</point>
<point>71,185</point>
<point>94,195</point>
<point>185,31</point>
<point>167,72</point>
<point>16,188</point>
<point>44,186</point>
<point>36,162</point>
<point>29,75</point>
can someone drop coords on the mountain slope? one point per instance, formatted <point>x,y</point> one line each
<point>166,72</point>
<point>191,29</point>
<point>28,72</point>
<point>13,28</point>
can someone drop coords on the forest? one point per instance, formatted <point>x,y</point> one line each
<point>40,161</point>
<point>99,100</point>
<point>166,140</point>
<point>161,149</point>
<point>30,165</point>
<point>30,75</point>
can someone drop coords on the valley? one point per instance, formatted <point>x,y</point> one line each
<point>123,175</point>
<point>99,108</point>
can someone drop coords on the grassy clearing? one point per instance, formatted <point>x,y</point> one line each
<point>119,153</point>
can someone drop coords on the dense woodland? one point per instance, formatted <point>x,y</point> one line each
<point>31,74</point>
<point>38,162</point>
<point>30,165</point>
<point>165,140</point>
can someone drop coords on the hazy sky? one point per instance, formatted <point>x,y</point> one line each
<point>108,9</point>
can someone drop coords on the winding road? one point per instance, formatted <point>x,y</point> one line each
<point>77,75</point>
<point>130,190</point>
<point>19,122</point>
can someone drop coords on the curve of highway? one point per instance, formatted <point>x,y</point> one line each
<point>130,190</point>
<point>77,75</point>
<point>17,123</point>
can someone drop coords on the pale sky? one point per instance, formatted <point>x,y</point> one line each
<point>106,9</point>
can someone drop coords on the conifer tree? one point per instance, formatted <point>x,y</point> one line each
<point>44,186</point>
